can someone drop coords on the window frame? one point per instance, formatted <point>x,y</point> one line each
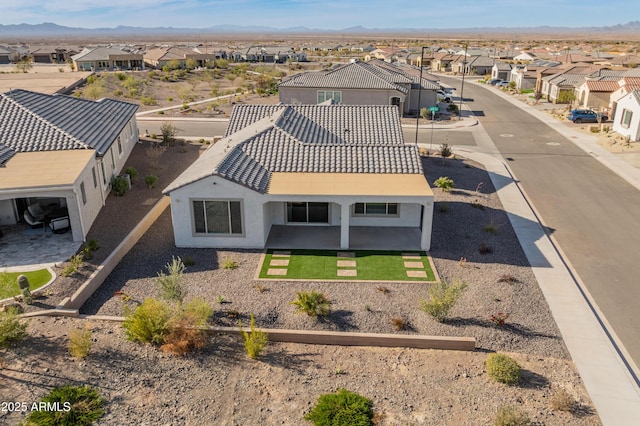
<point>626,117</point>
<point>329,94</point>
<point>83,193</point>
<point>307,214</point>
<point>228,201</point>
<point>365,213</point>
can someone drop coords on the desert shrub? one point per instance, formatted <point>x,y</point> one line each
<point>121,76</point>
<point>85,404</point>
<point>453,108</point>
<point>230,264</point>
<point>384,290</point>
<point>503,369</point>
<point>511,416</point>
<point>312,303</point>
<point>399,323</point>
<point>561,400</point>
<point>490,228</point>
<point>170,282</point>
<point>149,322</point>
<point>499,319</point>
<point>151,181</point>
<point>12,327</point>
<point>442,297</point>
<point>445,150</point>
<point>443,207</point>
<point>343,408</point>
<point>72,267</point>
<point>79,342</point>
<point>445,183</point>
<point>147,100</point>
<point>132,172</point>
<point>254,340</point>
<point>484,249</point>
<point>507,278</point>
<point>120,185</point>
<point>185,331</point>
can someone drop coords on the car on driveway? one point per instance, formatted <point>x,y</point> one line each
<point>494,81</point>
<point>444,96</point>
<point>586,116</point>
<point>503,84</point>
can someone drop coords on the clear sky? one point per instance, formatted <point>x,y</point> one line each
<point>332,14</point>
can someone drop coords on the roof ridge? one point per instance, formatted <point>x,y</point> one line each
<point>44,120</point>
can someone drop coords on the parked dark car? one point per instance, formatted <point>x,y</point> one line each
<point>586,116</point>
<point>494,81</point>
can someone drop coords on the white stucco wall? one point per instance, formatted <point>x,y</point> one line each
<point>628,102</point>
<point>309,96</point>
<point>408,215</point>
<point>7,215</point>
<point>213,188</point>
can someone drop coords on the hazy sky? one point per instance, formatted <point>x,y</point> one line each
<point>333,14</point>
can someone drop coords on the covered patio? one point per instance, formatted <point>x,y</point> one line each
<point>328,237</point>
<point>23,248</point>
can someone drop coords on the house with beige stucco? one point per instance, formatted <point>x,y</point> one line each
<point>58,157</point>
<point>294,171</point>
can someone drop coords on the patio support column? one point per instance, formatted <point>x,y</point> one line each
<point>427,221</point>
<point>344,225</point>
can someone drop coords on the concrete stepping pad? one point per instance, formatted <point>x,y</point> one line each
<point>417,274</point>
<point>418,265</point>
<point>277,271</point>
<point>411,257</point>
<point>347,263</point>
<point>347,273</point>
<point>279,262</point>
<point>346,254</point>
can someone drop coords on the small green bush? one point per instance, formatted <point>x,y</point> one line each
<point>503,369</point>
<point>230,264</point>
<point>170,282</point>
<point>343,408</point>
<point>445,150</point>
<point>12,327</point>
<point>79,342</point>
<point>185,331</point>
<point>120,185</point>
<point>147,100</point>
<point>443,296</point>
<point>254,340</point>
<point>511,416</point>
<point>85,404</point>
<point>561,400</point>
<point>132,172</point>
<point>151,181</point>
<point>74,263</point>
<point>149,322</point>
<point>445,183</point>
<point>312,303</point>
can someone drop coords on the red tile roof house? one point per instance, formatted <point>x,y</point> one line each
<point>341,172</point>
<point>58,156</point>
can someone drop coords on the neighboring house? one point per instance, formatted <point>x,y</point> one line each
<point>627,117</point>
<point>627,84</point>
<point>386,54</point>
<point>596,94</point>
<point>159,57</point>
<point>443,61</point>
<point>525,57</point>
<point>479,65</point>
<point>501,70</point>
<point>566,81</point>
<point>627,61</point>
<point>108,58</point>
<point>273,54</point>
<point>280,167</point>
<point>61,153</point>
<point>7,55</point>
<point>52,54</point>
<point>361,83</point>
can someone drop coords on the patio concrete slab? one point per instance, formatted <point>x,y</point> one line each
<point>347,273</point>
<point>346,263</point>
<point>346,254</point>
<point>279,262</point>
<point>416,274</point>
<point>277,271</point>
<point>417,265</point>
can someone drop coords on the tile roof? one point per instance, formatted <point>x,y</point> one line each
<point>101,53</point>
<point>32,121</point>
<point>602,85</point>
<point>265,139</point>
<point>357,75</point>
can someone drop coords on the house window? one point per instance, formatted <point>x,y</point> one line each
<point>375,209</point>
<point>304,212</point>
<point>217,217</point>
<point>104,175</point>
<point>325,95</point>
<point>103,64</point>
<point>625,120</point>
<point>119,145</point>
<point>95,179</point>
<point>83,193</point>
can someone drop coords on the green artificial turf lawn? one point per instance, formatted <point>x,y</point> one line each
<point>9,281</point>
<point>322,265</point>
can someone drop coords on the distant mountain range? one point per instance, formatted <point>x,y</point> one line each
<point>48,29</point>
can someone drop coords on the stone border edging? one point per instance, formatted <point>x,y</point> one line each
<point>311,337</point>
<point>98,276</point>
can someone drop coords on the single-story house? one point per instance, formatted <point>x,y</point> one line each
<point>159,57</point>
<point>108,58</point>
<point>8,55</point>
<point>525,57</point>
<point>273,54</point>
<point>360,83</point>
<point>596,94</point>
<point>344,168</point>
<point>52,54</point>
<point>627,116</point>
<point>501,70</point>
<point>59,155</point>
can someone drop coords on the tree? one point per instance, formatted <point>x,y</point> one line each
<point>169,132</point>
<point>222,64</point>
<point>24,65</point>
<point>191,64</point>
<point>566,97</point>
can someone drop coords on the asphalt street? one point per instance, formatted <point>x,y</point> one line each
<point>590,211</point>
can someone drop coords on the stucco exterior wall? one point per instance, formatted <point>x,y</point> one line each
<point>408,215</point>
<point>7,215</point>
<point>309,96</point>
<point>628,102</point>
